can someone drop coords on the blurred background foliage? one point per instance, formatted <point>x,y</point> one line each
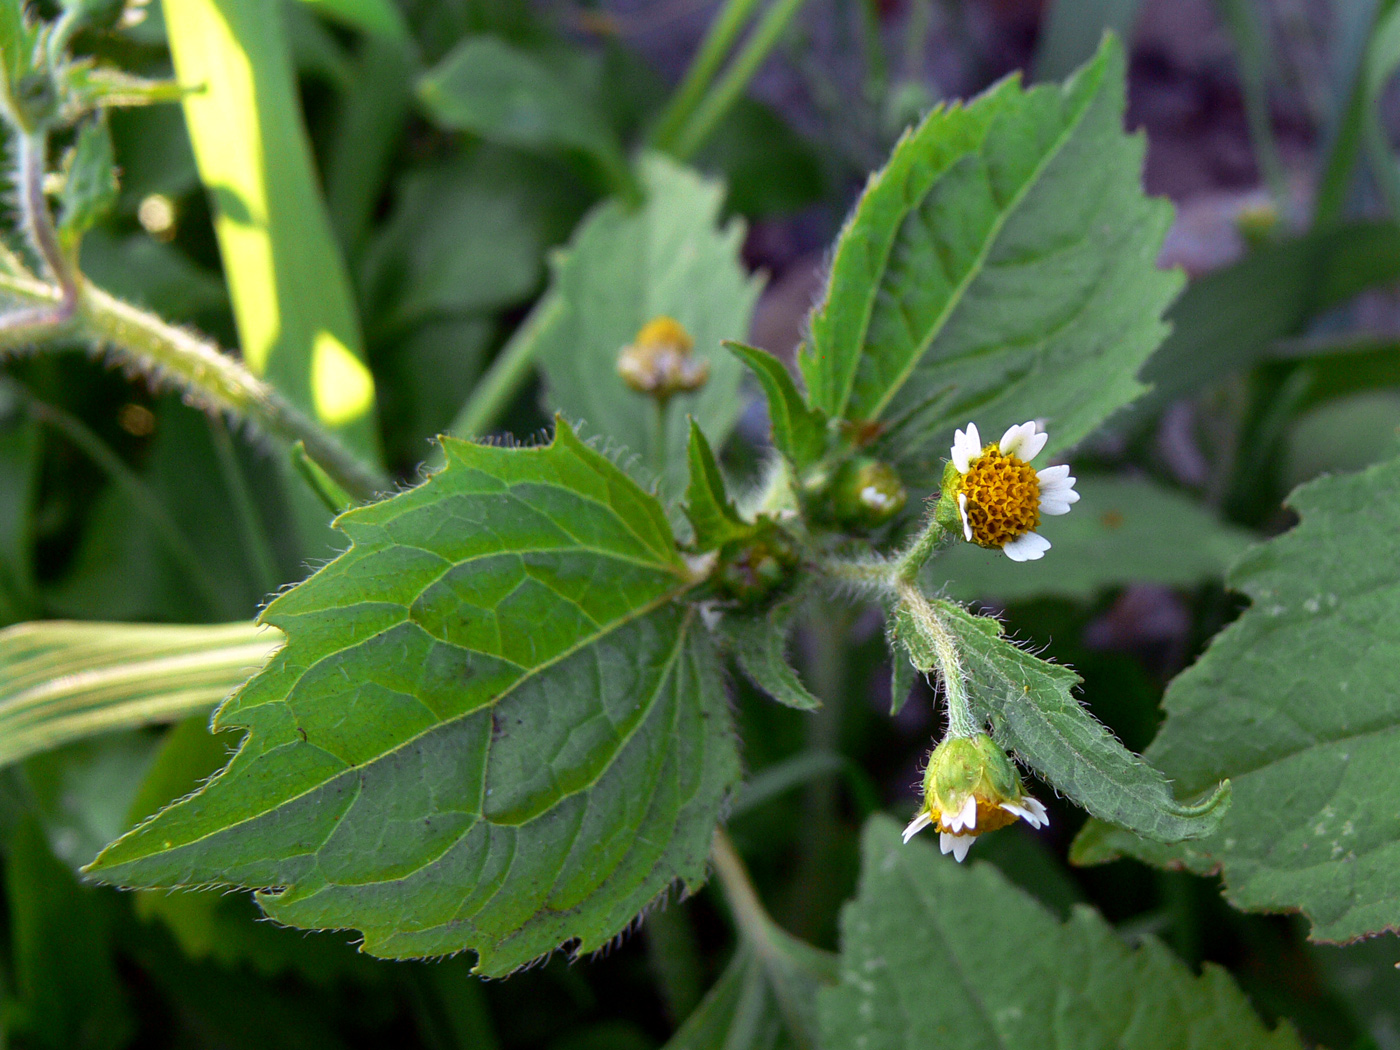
<point>416,169</point>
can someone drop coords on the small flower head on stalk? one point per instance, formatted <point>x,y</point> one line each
<point>999,497</point>
<point>971,787</point>
<point>660,361</point>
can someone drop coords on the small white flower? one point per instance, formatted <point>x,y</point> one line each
<point>957,845</point>
<point>1000,498</point>
<point>972,787</point>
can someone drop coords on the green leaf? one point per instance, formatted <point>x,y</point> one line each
<point>291,294</point>
<point>902,669</point>
<point>510,96</point>
<point>62,681</point>
<point>1002,264</point>
<point>1033,712</point>
<point>69,992</point>
<point>468,234</point>
<point>90,182</point>
<point>1230,319</point>
<point>625,267</point>
<point>711,512</point>
<point>738,1013</point>
<point>938,954</point>
<point>19,488</point>
<point>101,87</point>
<point>380,18</point>
<point>1296,703</point>
<point>495,684</point>
<point>759,641</point>
<point>1123,530</point>
<point>799,432</point>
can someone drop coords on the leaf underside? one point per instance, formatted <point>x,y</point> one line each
<point>494,687</point>
<point>1296,703</point>
<point>937,954</point>
<point>1002,264</point>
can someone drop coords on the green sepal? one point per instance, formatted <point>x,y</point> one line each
<point>799,432</point>
<point>90,86</point>
<point>759,642</point>
<point>90,183</point>
<point>707,504</point>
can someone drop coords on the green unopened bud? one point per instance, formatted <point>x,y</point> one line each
<point>756,568</point>
<point>34,100</point>
<point>660,361</point>
<point>970,787</point>
<point>866,493</point>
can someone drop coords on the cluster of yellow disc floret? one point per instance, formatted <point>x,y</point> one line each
<point>1003,498</point>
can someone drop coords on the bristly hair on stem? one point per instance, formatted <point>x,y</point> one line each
<point>210,379</point>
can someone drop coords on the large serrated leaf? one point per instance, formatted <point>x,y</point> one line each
<point>1296,702</point>
<point>934,954</point>
<point>626,266</point>
<point>494,685</point>
<point>1031,705</point>
<point>1002,263</point>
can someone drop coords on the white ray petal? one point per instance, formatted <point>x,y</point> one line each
<point>967,446</point>
<point>1053,506</point>
<point>962,509</point>
<point>1022,812</point>
<point>1038,808</point>
<point>1030,547</point>
<point>1014,440</point>
<point>917,825</point>
<point>945,842</point>
<point>1031,447</point>
<point>969,813</point>
<point>1053,474</point>
<point>960,845</point>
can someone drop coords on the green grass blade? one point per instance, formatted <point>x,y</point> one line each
<point>61,680</point>
<point>291,295</point>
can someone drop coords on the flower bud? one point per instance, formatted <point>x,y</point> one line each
<point>660,361</point>
<point>970,787</point>
<point>755,568</point>
<point>866,493</point>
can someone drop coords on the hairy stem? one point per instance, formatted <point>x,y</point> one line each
<point>54,310</point>
<point>923,547</point>
<point>209,377</point>
<point>750,916</point>
<point>945,650</point>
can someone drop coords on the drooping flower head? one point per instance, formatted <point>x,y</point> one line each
<point>1000,497</point>
<point>971,787</point>
<point>660,361</point>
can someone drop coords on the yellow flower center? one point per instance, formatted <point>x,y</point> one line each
<point>1003,499</point>
<point>990,817</point>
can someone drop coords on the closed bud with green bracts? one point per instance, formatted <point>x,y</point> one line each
<point>660,361</point>
<point>34,101</point>
<point>866,493</point>
<point>971,786</point>
<point>759,567</point>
